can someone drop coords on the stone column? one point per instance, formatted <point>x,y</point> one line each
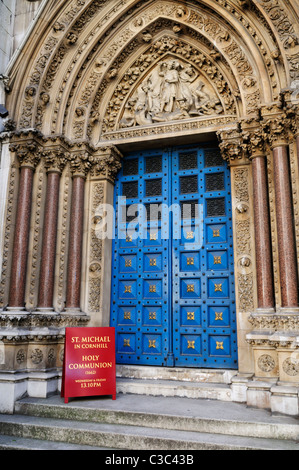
<point>278,131</point>
<point>265,286</point>
<point>106,164</point>
<point>263,248</point>
<point>29,156</point>
<point>234,151</point>
<point>285,227</point>
<point>80,166</point>
<point>55,162</point>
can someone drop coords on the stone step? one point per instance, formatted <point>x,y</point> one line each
<point>181,374</point>
<point>182,414</point>
<point>175,382</point>
<point>171,388</point>
<point>120,436</point>
<point>21,443</point>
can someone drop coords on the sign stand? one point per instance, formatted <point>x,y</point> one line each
<point>89,363</point>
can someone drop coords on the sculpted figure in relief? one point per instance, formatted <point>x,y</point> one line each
<point>172,91</point>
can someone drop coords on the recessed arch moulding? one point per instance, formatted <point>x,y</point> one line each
<point>85,70</point>
<point>96,77</point>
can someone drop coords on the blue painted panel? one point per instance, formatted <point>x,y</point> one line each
<point>190,316</point>
<point>153,262</point>
<point>191,345</point>
<point>216,233</point>
<point>126,343</point>
<point>190,261</point>
<point>217,260</point>
<point>151,344</point>
<point>190,288</point>
<point>219,316</point>
<point>152,316</point>
<point>218,287</point>
<point>220,345</point>
<point>127,315</point>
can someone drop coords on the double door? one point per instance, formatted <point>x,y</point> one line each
<point>173,300</point>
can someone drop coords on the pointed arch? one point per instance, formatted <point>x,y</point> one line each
<point>71,63</point>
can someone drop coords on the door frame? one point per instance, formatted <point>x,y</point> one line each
<point>233,333</point>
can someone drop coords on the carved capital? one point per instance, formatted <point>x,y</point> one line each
<point>277,131</point>
<point>28,149</point>
<point>231,145</point>
<point>293,114</point>
<point>276,124</point>
<point>80,158</point>
<point>55,160</point>
<point>254,138</point>
<point>291,110</point>
<point>106,163</point>
<point>80,164</point>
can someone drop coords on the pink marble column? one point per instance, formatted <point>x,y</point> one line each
<point>75,245</point>
<point>265,289</point>
<point>21,239</point>
<point>46,285</point>
<point>285,228</point>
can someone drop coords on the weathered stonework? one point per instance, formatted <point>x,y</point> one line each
<point>103,78</point>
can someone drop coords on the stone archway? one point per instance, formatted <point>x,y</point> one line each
<point>73,99</point>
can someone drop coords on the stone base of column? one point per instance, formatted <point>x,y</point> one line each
<point>44,310</point>
<point>275,343</point>
<point>15,386</point>
<point>284,400</point>
<point>264,311</point>
<point>31,354</point>
<point>72,311</point>
<point>16,309</point>
<point>288,311</point>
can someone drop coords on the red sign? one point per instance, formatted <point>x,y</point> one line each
<point>89,363</point>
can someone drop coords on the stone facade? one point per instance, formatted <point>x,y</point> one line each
<point>96,78</point>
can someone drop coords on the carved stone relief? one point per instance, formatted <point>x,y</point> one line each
<point>65,36</point>
<point>95,252</point>
<point>172,91</point>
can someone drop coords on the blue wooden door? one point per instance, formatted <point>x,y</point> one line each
<point>172,275</point>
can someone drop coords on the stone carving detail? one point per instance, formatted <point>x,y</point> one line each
<point>234,149</point>
<point>266,363</point>
<point>55,160</point>
<point>291,366</point>
<point>69,26</point>
<point>28,153</point>
<point>95,272</point>
<point>62,240</point>
<point>282,22</point>
<point>36,356</point>
<point>80,164</point>
<point>106,163</point>
<point>173,88</point>
<point>21,356</point>
<point>246,289</point>
<point>231,145</point>
<point>241,185</point>
<point>12,190</point>
<point>51,356</point>
<point>172,91</point>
